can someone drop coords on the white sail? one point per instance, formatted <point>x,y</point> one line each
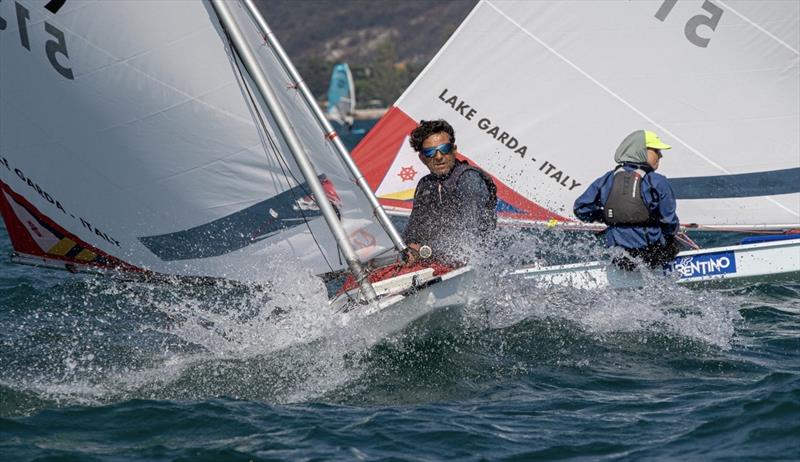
<point>130,134</point>
<point>542,92</point>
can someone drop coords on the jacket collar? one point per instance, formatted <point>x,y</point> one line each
<point>646,167</point>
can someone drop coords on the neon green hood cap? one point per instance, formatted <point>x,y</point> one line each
<point>633,148</point>
<point>652,141</point>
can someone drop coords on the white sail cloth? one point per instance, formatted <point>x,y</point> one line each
<point>150,148</point>
<point>542,92</point>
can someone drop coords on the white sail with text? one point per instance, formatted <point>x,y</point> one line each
<point>541,93</point>
<point>131,138</point>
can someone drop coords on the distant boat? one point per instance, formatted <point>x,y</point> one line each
<point>540,94</point>
<point>341,95</point>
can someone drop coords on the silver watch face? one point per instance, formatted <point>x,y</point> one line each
<point>425,251</point>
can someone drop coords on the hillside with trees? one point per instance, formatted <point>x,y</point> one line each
<point>386,43</point>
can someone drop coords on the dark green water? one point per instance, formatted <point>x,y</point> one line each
<point>99,370</point>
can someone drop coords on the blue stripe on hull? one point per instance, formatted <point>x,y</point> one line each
<point>779,237</point>
<point>743,185</point>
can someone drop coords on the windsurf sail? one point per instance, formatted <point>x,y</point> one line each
<point>341,95</point>
<point>541,93</point>
<point>132,138</point>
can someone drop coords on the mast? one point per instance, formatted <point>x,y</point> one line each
<point>377,209</point>
<point>307,169</point>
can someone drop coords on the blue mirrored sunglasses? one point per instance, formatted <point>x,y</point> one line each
<point>445,149</point>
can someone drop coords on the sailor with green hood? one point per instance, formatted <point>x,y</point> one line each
<point>636,203</point>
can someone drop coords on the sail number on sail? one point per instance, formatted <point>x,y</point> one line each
<point>695,22</point>
<point>52,47</point>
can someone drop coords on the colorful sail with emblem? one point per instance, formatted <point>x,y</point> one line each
<point>131,138</point>
<point>541,93</point>
<point>341,95</point>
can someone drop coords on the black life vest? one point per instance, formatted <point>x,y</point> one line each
<point>625,205</point>
<point>439,198</point>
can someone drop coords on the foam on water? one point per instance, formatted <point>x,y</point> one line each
<point>79,340</point>
<point>660,307</point>
<point>96,340</point>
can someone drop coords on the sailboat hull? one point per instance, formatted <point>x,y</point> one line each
<point>719,266</point>
<point>411,300</point>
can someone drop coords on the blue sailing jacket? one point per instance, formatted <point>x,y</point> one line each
<point>658,197</point>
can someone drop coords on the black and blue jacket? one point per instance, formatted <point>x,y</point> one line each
<point>657,196</point>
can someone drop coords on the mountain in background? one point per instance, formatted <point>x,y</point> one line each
<point>385,42</point>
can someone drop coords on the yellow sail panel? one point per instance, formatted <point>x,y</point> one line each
<point>86,255</point>
<point>63,246</point>
<point>404,195</point>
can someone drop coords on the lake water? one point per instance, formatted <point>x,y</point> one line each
<point>93,369</point>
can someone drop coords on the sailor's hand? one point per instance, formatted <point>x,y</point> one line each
<point>411,254</point>
<point>672,246</point>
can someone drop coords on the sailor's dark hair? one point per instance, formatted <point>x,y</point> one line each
<point>427,128</point>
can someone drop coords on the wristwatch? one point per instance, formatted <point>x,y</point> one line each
<point>425,252</point>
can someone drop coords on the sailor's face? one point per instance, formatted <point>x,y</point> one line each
<point>440,164</point>
<point>653,157</point>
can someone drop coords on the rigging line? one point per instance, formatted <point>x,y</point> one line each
<point>625,102</point>
<point>265,43</point>
<point>296,82</point>
<point>293,85</point>
<point>752,23</point>
<point>274,148</point>
<point>283,164</point>
<point>296,86</point>
<point>684,238</point>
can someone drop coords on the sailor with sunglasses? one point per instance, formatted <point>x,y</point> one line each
<point>454,206</point>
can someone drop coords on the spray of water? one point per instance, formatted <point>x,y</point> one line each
<point>96,341</point>
<point>661,307</point>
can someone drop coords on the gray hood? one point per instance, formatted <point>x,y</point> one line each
<point>632,149</point>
